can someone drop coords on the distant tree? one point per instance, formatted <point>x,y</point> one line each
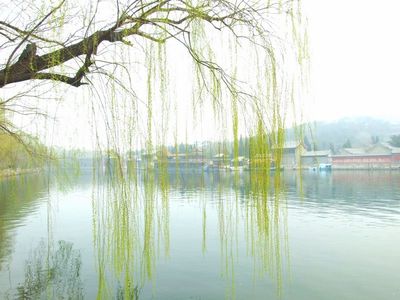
<point>247,148</point>
<point>332,147</point>
<point>25,152</point>
<point>181,148</point>
<point>241,146</point>
<point>347,144</point>
<point>374,139</point>
<point>307,143</point>
<point>395,140</point>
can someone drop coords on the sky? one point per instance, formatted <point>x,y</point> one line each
<point>355,58</point>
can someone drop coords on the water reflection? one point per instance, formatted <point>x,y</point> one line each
<point>19,196</point>
<point>235,230</point>
<point>131,225</point>
<point>362,193</point>
<point>52,275</point>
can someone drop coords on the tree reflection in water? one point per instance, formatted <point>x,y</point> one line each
<point>131,226</point>
<point>19,196</point>
<point>54,275</point>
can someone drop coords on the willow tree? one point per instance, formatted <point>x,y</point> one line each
<point>65,43</point>
<point>121,59</point>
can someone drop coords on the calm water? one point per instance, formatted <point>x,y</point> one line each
<point>201,236</point>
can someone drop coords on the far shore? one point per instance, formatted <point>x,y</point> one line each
<point>14,172</point>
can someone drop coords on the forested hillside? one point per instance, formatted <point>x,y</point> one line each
<point>23,154</point>
<point>358,132</point>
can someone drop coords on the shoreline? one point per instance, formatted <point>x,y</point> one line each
<point>6,173</point>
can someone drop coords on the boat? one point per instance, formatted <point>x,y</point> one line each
<point>325,167</point>
<point>238,164</point>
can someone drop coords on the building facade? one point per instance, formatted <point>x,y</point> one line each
<point>378,156</point>
<point>311,159</point>
<point>291,155</point>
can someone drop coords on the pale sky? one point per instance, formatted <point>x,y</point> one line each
<point>355,55</point>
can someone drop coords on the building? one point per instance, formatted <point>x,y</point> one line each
<point>378,156</point>
<point>220,161</point>
<point>291,154</point>
<point>187,160</point>
<point>311,159</point>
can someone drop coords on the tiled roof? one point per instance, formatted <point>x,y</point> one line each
<point>288,145</point>
<point>317,153</point>
<point>395,150</point>
<point>291,144</point>
<point>355,151</point>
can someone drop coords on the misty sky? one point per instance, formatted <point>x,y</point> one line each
<point>355,57</point>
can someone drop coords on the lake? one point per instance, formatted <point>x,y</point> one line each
<point>193,235</point>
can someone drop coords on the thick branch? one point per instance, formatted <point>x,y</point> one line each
<point>76,82</point>
<point>32,68</point>
<point>23,70</point>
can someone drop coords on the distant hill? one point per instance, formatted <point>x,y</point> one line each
<point>359,131</point>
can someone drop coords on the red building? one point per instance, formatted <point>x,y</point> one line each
<point>379,156</point>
